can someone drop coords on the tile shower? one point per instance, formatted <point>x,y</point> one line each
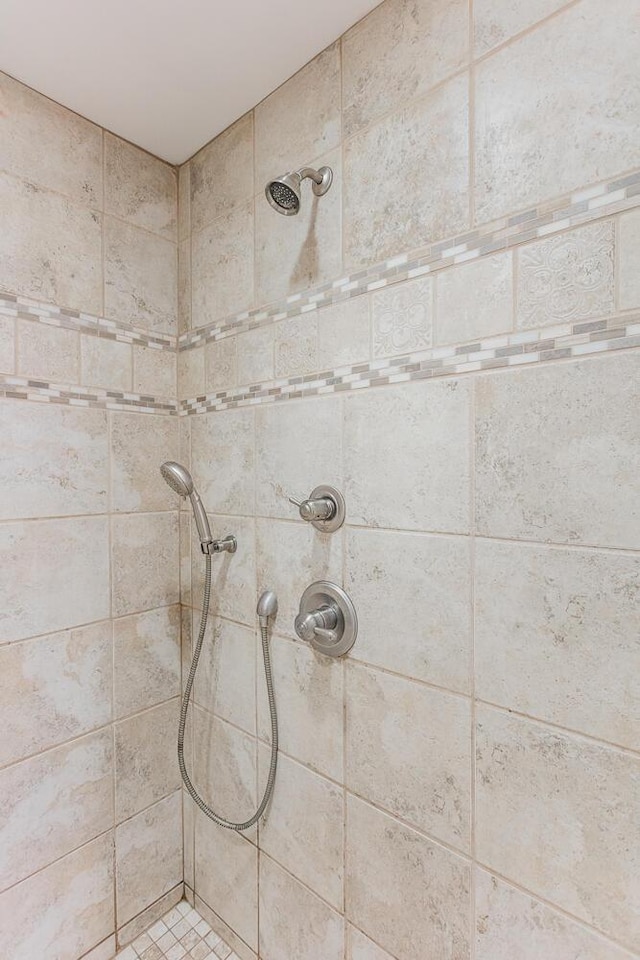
<point>451,337</point>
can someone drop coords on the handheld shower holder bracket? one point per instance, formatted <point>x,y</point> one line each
<point>228,544</point>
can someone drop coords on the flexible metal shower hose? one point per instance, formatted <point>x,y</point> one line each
<point>229,824</point>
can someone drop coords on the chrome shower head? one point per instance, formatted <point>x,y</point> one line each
<point>284,192</point>
<point>181,482</point>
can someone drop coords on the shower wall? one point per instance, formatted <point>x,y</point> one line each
<point>89,617</point>
<point>450,337</point>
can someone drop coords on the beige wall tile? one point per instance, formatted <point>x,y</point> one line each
<point>65,909</point>
<point>48,352</point>
<point>475,300</point>
<point>510,923</point>
<point>233,887</point>
<point>421,159</point>
<point>298,446</point>
<point>154,372</point>
<point>548,96</point>
<point>360,947</point>
<point>139,188</point>
<point>233,593</point>
<point>222,173</point>
<point>41,596</point>
<point>188,833</point>
<point>223,461</point>
<point>145,764</point>
<point>423,432</point>
<point>344,333</point>
<point>402,318</point>
<point>552,445</point>
<point>310,705</point>
<point>300,121</point>
<point>147,544</point>
<point>54,461</point>
<point>580,847</point>
<point>50,247</point>
<point>392,872</point>
<point>53,803</point>
<point>184,201</point>
<point>185,557</point>
<point>184,286</point>
<point>296,253</point>
<point>148,856</point>
<point>409,750</point>
<point>224,770</point>
<point>141,277</point>
<point>54,688</point>
<point>191,373</point>
<point>496,21</point>
<point>106,363</point>
<point>629,239</point>
<point>293,921</point>
<point>226,679</point>
<point>146,659</point>
<point>567,278</point>
<point>140,443</point>
<point>304,826</point>
<point>556,636</point>
<point>222,266</point>
<point>49,145</point>
<point>136,927</point>
<point>220,365</point>
<point>397,53</point>
<point>7,345</point>
<point>256,355</point>
<point>296,346</point>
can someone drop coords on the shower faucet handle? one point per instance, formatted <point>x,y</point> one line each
<point>320,508</point>
<point>324,508</point>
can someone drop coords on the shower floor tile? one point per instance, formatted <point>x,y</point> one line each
<point>181,934</point>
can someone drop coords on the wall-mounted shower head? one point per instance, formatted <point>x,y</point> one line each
<point>181,482</point>
<point>284,192</point>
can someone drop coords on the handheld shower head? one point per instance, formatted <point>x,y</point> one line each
<point>181,482</point>
<point>284,192</point>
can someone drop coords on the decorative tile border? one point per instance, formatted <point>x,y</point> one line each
<point>510,350</point>
<point>595,203</point>
<point>25,388</point>
<point>25,309</point>
<point>181,934</point>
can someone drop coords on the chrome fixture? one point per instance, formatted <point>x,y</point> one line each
<point>267,606</point>
<point>324,508</point>
<point>181,482</point>
<point>284,193</point>
<point>327,619</point>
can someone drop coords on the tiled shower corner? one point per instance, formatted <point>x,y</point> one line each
<point>181,934</point>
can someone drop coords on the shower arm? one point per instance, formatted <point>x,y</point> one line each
<point>308,173</point>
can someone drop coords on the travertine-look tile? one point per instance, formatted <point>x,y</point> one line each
<point>50,247</point>
<point>223,461</point>
<point>54,688</point>
<point>141,277</point>
<point>475,300</point>
<point>48,352</point>
<point>523,90</point>
<point>54,460</point>
<point>139,188</point>
<point>309,700</point>
<point>222,173</point>
<point>293,921</point>
<point>148,856</point>
<point>409,750</point>
<point>233,886</point>
<point>560,815</point>
<point>423,432</point>
<point>185,557</point>
<point>397,53</point>
<point>139,444</point>
<point>222,266</point>
<point>392,874</point>
<point>402,318</point>
<point>296,253</point>
<point>300,120</point>
<point>184,201</point>
<point>190,373</point>
<point>146,659</point>
<point>629,278</point>
<point>344,333</point>
<point>65,909</point>
<point>567,278</point>
<point>188,833</point>
<point>552,444</point>
<point>220,365</point>
<point>510,923</point>
<point>360,947</point>
<point>105,363</point>
<point>145,762</point>
<point>224,770</point>
<point>298,446</point>
<point>255,356</point>
<point>154,372</point>
<point>41,596</point>
<point>53,803</point>
<point>184,286</point>
<point>421,159</point>
<point>304,826</point>
<point>496,21</point>
<point>226,679</point>
<point>7,345</point>
<point>49,145</point>
<point>233,592</point>
<point>556,636</point>
<point>296,346</point>
<point>146,544</point>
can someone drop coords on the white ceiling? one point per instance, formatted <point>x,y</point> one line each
<point>167,76</point>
